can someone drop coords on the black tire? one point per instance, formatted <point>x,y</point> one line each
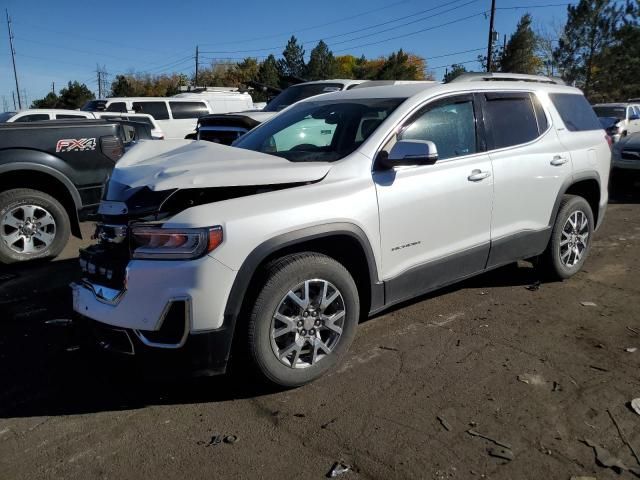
<point>12,199</point>
<point>282,276</point>
<point>552,258</point>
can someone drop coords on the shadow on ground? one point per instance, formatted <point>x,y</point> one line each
<point>49,369</point>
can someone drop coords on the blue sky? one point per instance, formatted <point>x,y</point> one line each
<point>65,40</point>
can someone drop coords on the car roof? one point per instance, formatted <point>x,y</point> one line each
<point>51,110</point>
<point>428,89</point>
<point>150,99</point>
<point>349,81</point>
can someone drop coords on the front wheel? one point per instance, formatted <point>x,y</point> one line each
<point>303,320</point>
<point>33,225</point>
<point>570,238</point>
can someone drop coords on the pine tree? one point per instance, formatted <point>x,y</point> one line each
<point>292,64</point>
<point>519,56</point>
<point>74,96</point>
<point>590,29</point>
<point>322,64</point>
<point>398,67</point>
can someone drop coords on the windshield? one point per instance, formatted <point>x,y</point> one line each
<point>607,111</point>
<point>299,92</point>
<point>318,131</point>
<point>6,116</point>
<point>94,106</point>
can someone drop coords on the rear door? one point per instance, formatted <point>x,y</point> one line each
<point>530,165</point>
<point>435,219</point>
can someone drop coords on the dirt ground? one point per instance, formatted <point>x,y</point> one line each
<point>417,379</point>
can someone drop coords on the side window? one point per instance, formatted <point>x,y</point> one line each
<point>157,110</point>
<point>511,119</point>
<point>181,110</point>
<point>34,117</point>
<point>450,124</point>
<point>60,116</point>
<point>117,107</point>
<point>575,111</point>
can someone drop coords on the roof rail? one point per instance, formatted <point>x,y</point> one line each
<point>507,77</point>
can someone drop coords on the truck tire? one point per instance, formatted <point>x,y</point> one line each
<point>303,319</point>
<point>570,238</point>
<point>33,225</point>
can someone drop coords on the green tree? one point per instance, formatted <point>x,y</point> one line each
<point>398,67</point>
<point>618,77</point>
<point>74,96</point>
<point>268,72</point>
<point>122,87</point>
<point>346,66</point>
<point>292,61</point>
<point>590,29</point>
<point>519,56</point>
<point>50,101</point>
<point>322,64</point>
<point>456,71</point>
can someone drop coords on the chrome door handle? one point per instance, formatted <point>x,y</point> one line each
<point>477,175</point>
<point>558,160</point>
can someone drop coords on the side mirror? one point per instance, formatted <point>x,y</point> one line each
<point>411,152</point>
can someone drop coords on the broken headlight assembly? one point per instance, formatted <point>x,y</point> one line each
<point>155,243</point>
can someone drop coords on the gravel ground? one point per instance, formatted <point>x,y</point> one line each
<point>538,370</point>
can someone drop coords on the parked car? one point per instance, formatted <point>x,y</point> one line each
<point>281,244</point>
<point>38,114</point>
<point>176,117</point>
<point>626,153</point>
<point>627,115</point>
<point>226,128</point>
<point>156,131</point>
<point>51,178</point>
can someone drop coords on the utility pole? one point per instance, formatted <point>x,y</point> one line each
<point>13,94</point>
<point>99,82</point>
<point>490,45</point>
<point>53,87</point>
<point>197,61</point>
<point>13,57</point>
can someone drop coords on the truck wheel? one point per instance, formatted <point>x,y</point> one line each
<point>32,225</point>
<point>303,320</point>
<point>570,238</point>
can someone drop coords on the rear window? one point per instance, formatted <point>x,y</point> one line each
<point>33,117</point>
<point>157,110</point>
<point>117,107</point>
<point>94,106</point>
<point>512,119</point>
<point>181,110</point>
<point>6,116</point>
<point>575,111</point>
<point>61,116</point>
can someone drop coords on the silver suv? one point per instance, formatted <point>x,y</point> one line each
<point>280,245</point>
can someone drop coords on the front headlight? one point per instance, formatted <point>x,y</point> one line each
<point>154,243</point>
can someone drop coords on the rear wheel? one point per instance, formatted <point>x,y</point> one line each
<point>33,225</point>
<point>303,320</point>
<point>570,239</point>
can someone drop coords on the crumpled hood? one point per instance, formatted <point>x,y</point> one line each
<point>168,164</point>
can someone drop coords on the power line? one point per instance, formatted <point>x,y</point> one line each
<point>363,29</point>
<point>306,29</point>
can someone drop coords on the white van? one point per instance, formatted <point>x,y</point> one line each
<point>177,117</point>
<point>221,99</point>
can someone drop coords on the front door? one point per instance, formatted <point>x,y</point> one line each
<point>435,219</point>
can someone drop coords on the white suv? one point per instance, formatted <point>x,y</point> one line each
<point>623,118</point>
<point>280,252</point>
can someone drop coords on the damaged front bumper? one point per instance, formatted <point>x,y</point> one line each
<point>159,309</point>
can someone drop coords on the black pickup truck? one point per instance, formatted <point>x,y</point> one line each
<point>51,178</point>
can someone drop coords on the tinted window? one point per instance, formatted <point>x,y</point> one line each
<point>157,110</point>
<point>449,124</point>
<point>315,131</point>
<point>61,116</point>
<point>94,106</point>
<point>296,93</point>
<point>543,123</point>
<point>576,113</point>
<point>33,118</point>
<point>609,111</point>
<point>145,120</point>
<point>511,119</point>
<point>636,110</point>
<point>6,116</point>
<point>188,109</point>
<point>117,107</point>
